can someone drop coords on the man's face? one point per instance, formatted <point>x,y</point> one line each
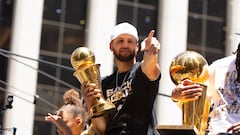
<point>124,47</point>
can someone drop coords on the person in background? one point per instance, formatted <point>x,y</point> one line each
<point>224,92</point>
<point>72,117</point>
<point>132,87</point>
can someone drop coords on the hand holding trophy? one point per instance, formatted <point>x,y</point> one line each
<point>83,61</point>
<point>193,66</point>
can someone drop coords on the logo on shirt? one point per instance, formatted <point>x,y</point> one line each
<point>119,93</point>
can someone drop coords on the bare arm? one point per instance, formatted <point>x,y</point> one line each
<point>89,94</point>
<point>99,124</point>
<point>58,121</point>
<point>151,47</point>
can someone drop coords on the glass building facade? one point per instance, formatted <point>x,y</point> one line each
<point>63,30</point>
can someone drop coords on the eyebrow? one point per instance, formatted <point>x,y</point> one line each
<point>121,38</point>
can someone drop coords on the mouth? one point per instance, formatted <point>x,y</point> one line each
<point>124,50</point>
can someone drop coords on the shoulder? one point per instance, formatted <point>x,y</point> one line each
<point>222,66</point>
<point>109,77</point>
<point>226,61</point>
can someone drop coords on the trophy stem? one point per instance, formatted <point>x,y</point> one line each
<point>196,112</point>
<point>91,74</point>
<point>193,66</point>
<point>100,108</point>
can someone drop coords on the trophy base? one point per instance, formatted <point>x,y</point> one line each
<point>101,109</point>
<point>177,130</point>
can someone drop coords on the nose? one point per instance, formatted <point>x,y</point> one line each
<point>125,43</point>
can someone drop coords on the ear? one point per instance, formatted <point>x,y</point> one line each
<point>79,121</point>
<point>110,46</point>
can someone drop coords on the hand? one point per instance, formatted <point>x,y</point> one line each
<point>235,128</point>
<point>58,121</point>
<point>151,48</point>
<point>187,91</point>
<point>150,44</point>
<point>90,93</point>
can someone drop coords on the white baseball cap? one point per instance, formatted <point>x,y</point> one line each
<point>124,28</point>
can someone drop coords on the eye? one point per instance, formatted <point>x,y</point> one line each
<point>130,41</point>
<point>120,41</point>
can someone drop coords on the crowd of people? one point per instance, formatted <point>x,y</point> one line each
<point>134,85</point>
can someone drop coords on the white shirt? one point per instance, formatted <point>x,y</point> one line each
<point>225,93</point>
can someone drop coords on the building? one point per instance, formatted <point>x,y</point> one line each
<point>56,27</point>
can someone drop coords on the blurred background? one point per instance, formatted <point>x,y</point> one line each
<point>37,39</point>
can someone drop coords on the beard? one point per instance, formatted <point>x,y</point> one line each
<point>124,57</point>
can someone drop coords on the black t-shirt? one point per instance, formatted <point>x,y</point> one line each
<point>133,99</point>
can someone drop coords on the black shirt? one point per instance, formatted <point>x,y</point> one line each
<point>133,99</point>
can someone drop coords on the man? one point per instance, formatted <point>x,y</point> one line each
<point>132,87</point>
<point>223,89</point>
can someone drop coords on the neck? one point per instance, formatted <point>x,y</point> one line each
<point>125,66</point>
<point>77,132</point>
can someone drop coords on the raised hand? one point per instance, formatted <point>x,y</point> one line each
<point>151,47</point>
<point>63,129</point>
<point>150,43</point>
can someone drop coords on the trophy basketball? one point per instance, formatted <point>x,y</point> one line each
<point>83,61</point>
<point>190,65</point>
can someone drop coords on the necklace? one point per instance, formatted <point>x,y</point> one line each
<point>124,79</point>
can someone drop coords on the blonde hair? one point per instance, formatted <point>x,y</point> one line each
<point>73,104</point>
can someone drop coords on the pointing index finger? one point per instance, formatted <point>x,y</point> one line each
<point>151,33</point>
<point>149,39</point>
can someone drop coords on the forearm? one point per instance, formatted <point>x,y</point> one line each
<point>150,66</point>
<point>99,124</point>
<point>60,124</point>
<point>152,71</point>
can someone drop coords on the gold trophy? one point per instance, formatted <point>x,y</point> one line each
<point>190,65</point>
<point>83,61</point>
